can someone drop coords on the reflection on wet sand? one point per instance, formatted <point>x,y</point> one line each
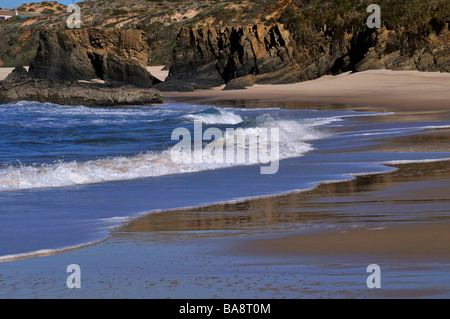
<point>415,192</point>
<point>426,141</point>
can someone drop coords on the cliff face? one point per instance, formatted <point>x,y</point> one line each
<point>86,54</point>
<point>206,57</point>
<point>242,56</point>
<point>390,51</point>
<point>376,49</point>
<point>66,57</point>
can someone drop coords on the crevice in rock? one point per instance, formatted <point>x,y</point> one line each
<point>97,64</point>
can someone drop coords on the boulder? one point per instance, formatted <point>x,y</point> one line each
<point>85,54</point>
<point>19,86</point>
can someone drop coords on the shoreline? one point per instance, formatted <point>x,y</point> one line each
<point>382,88</point>
<point>414,241</point>
<point>143,218</point>
<point>403,90</point>
<point>411,172</point>
<point>203,258</point>
<point>188,237</point>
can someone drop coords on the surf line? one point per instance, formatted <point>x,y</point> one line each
<point>234,146</point>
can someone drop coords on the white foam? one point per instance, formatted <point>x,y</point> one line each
<point>224,117</point>
<point>45,252</point>
<point>294,137</point>
<point>412,161</point>
<point>437,127</point>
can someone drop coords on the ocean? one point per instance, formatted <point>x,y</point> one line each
<point>71,174</point>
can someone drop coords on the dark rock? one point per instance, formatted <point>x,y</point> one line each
<point>242,56</point>
<point>18,74</point>
<point>240,83</point>
<point>86,54</point>
<point>18,86</point>
<point>179,85</point>
<point>432,55</point>
<point>210,57</point>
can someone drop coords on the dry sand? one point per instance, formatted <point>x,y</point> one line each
<point>158,72</point>
<point>4,72</point>
<point>374,87</point>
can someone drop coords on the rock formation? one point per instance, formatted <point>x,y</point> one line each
<point>67,62</point>
<point>368,49</point>
<point>86,54</point>
<point>19,86</point>
<point>433,55</point>
<point>242,56</point>
<point>207,57</point>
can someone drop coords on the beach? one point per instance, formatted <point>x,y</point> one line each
<point>381,88</point>
<point>309,243</point>
<point>209,252</point>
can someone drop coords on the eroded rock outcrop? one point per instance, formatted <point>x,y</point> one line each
<point>19,86</point>
<point>86,54</point>
<point>207,57</point>
<point>88,67</point>
<point>392,52</point>
<point>368,49</point>
<point>247,55</point>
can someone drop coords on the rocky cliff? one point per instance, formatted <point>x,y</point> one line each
<point>68,61</point>
<point>307,20</point>
<point>365,49</point>
<point>206,57</point>
<point>242,56</point>
<point>85,54</point>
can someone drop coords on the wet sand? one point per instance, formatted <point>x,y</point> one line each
<point>419,241</point>
<point>314,244</point>
<point>398,215</point>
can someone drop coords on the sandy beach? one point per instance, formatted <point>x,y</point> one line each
<point>257,248</point>
<point>397,233</point>
<point>426,90</point>
<point>4,72</point>
<point>311,244</point>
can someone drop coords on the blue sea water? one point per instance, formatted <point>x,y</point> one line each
<point>68,174</point>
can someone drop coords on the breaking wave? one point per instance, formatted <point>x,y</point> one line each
<point>294,136</point>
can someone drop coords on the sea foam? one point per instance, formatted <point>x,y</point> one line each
<point>294,138</point>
